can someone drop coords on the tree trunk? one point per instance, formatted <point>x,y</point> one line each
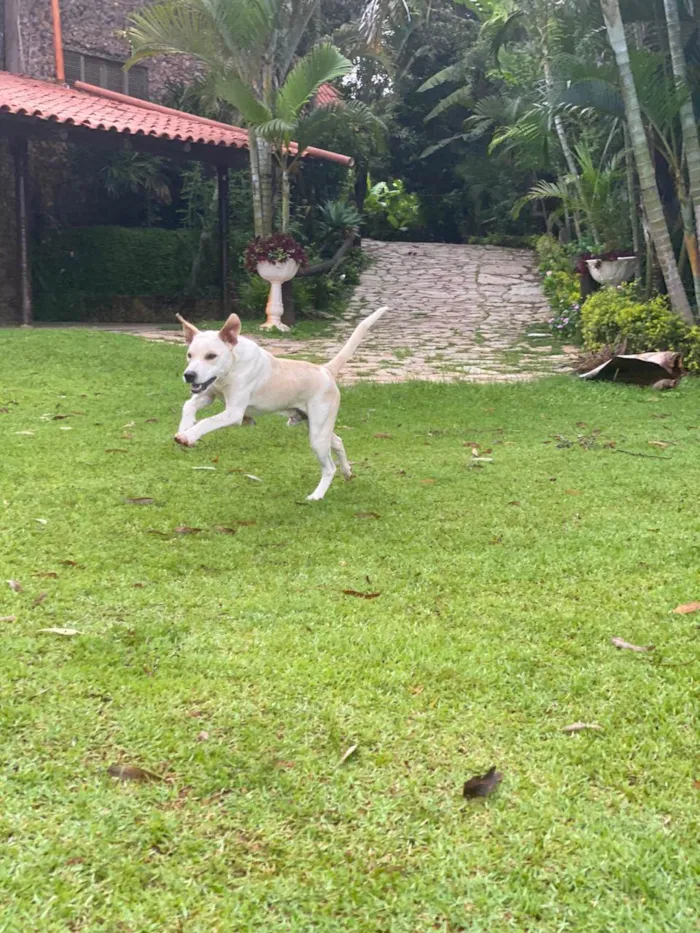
<point>286,197</point>
<point>265,163</point>
<point>255,182</point>
<point>658,227</point>
<point>687,114</point>
<point>632,199</point>
<point>565,148</point>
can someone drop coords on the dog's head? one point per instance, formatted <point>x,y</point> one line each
<point>209,352</point>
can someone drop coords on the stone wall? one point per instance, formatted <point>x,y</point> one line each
<point>94,27</point>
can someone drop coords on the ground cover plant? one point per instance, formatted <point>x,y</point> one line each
<point>506,534</point>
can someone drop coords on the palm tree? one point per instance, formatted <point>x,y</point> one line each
<point>252,43</point>
<point>653,208</point>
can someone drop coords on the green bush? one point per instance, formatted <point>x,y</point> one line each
<point>553,257</point>
<point>616,315</point>
<point>690,348</point>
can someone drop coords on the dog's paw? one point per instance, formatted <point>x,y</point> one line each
<point>183,440</point>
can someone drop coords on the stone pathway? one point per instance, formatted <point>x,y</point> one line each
<point>455,313</point>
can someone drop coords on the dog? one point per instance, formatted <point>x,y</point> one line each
<point>251,381</point>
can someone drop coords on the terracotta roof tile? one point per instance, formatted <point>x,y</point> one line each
<point>102,110</point>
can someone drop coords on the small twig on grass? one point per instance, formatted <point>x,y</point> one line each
<point>634,453</point>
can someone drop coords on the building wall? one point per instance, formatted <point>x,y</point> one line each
<point>9,291</point>
<point>94,27</point>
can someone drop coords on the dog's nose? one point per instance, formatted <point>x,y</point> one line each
<point>190,376</point>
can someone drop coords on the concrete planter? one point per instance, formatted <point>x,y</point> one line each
<point>276,273</point>
<point>612,271</point>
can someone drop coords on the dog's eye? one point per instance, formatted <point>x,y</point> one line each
<point>210,356</point>
<point>189,356</point>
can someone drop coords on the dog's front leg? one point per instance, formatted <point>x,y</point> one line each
<point>231,416</point>
<point>190,409</point>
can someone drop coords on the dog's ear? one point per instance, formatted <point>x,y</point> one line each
<point>189,331</point>
<point>231,329</point>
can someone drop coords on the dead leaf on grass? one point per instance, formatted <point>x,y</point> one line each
<point>50,574</point>
<point>161,534</point>
<point>65,632</point>
<point>15,586</point>
<point>223,530</point>
<point>202,736</point>
<point>621,643</point>
<point>572,492</point>
<point>186,530</point>
<point>140,500</point>
<point>367,515</point>
<point>151,421</point>
<point>256,479</point>
<point>38,600</point>
<point>481,785</point>
<point>347,754</point>
<point>687,608</point>
<point>116,450</point>
<point>361,595</point>
<point>660,444</point>
<point>25,433</point>
<point>247,522</point>
<point>514,502</point>
<point>69,563</point>
<point>132,773</point>
<point>195,713</point>
<point>285,764</point>
<point>8,618</point>
<point>427,482</point>
<point>138,586</point>
<point>581,726</point>
<point>383,436</point>
<point>204,468</point>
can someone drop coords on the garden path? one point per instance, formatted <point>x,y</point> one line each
<point>457,313</point>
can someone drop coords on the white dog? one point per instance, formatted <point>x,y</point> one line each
<point>252,381</point>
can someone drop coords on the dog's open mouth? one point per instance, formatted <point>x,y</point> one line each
<point>197,387</point>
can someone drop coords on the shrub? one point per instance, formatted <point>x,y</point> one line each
<point>690,348</point>
<point>616,315</point>
<point>553,257</point>
<point>391,210</point>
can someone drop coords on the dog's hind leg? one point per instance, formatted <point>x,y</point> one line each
<point>321,422</point>
<point>338,449</point>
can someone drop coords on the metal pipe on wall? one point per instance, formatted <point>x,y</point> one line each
<point>58,42</point>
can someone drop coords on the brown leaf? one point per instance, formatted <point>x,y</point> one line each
<point>573,492</point>
<point>660,444</point>
<point>161,534</point>
<point>15,586</point>
<point>66,632</point>
<point>223,530</point>
<point>195,713</point>
<point>382,436</point>
<point>116,450</point>
<point>51,574</point>
<point>696,785</point>
<point>687,608</point>
<point>38,600</point>
<point>8,618</point>
<point>60,417</point>
<point>202,736</point>
<point>69,563</point>
<point>497,539</point>
<point>514,502</point>
<point>186,530</point>
<point>348,753</point>
<point>481,785</point>
<point>140,500</point>
<point>361,595</point>
<point>621,643</point>
<point>247,522</point>
<point>285,764</point>
<point>151,421</point>
<point>580,726</point>
<point>581,424</point>
<point>138,586</point>
<point>367,515</point>
<point>427,482</point>
<point>132,773</point>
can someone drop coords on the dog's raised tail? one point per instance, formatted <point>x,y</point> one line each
<point>336,364</point>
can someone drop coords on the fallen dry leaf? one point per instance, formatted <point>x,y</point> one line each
<point>514,502</point>
<point>284,764</point>
<point>41,521</point>
<point>38,600</point>
<point>367,515</point>
<point>8,618</point>
<point>572,492</point>
<point>580,726</point>
<point>223,530</point>
<point>660,444</point>
<point>361,595</point>
<point>15,586</point>
<point>382,436</point>
<point>256,479</point>
<point>481,785</point>
<point>195,713</point>
<point>481,459</point>
<point>621,643</point>
<point>427,482</point>
<point>69,563</point>
<point>25,433</point>
<point>140,500</point>
<point>186,530</point>
<point>132,773</point>
<point>202,736</point>
<point>151,421</point>
<point>347,754</point>
<point>138,586</point>
<point>204,468</point>
<point>66,632</point>
<point>161,534</point>
<point>247,522</point>
<point>116,450</point>
<point>686,608</point>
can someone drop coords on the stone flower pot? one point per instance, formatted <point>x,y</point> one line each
<point>276,273</point>
<point>612,271</point>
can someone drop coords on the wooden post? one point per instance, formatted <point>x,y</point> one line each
<point>20,154</point>
<point>222,178</point>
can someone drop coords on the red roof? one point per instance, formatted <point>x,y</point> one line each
<point>326,95</point>
<point>96,108</point>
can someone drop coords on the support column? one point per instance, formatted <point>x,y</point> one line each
<point>222,177</point>
<point>20,153</point>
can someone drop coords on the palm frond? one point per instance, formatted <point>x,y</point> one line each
<point>172,28</point>
<point>462,96</point>
<point>322,64</point>
<point>451,73</point>
<point>235,92</point>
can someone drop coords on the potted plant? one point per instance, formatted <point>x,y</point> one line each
<point>277,259</point>
<point>610,267</point>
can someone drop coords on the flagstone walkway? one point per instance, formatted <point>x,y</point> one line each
<point>456,313</point>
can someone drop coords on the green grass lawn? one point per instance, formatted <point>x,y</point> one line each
<point>235,666</point>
